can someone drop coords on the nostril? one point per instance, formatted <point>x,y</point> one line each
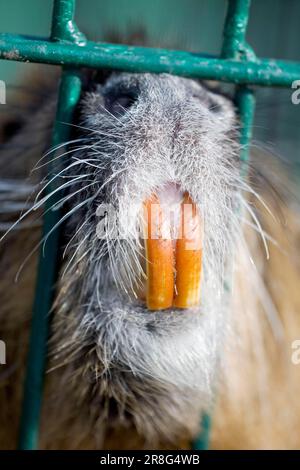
<point>126,100</point>
<point>119,101</point>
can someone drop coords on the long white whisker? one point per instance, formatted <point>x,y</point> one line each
<point>252,213</point>
<point>45,238</point>
<point>57,147</point>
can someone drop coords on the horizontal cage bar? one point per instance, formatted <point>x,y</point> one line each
<point>264,72</point>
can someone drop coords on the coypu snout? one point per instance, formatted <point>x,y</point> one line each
<point>152,362</point>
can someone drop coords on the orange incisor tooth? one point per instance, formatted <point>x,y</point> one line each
<point>188,262</point>
<point>159,257</point>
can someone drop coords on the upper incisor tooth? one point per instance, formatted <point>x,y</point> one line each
<point>188,257</point>
<point>159,258</point>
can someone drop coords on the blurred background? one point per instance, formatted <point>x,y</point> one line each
<point>194,25</point>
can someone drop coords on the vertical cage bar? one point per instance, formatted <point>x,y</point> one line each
<point>47,272</point>
<point>245,100</point>
<point>235,28</point>
<point>202,440</point>
<point>69,93</point>
<point>63,26</point>
<point>236,47</point>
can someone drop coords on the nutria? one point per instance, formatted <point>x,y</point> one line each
<point>121,376</point>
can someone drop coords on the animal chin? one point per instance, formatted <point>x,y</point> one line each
<point>172,229</point>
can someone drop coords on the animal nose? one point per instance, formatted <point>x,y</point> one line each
<point>118,100</point>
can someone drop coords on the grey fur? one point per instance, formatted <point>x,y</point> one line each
<point>158,369</point>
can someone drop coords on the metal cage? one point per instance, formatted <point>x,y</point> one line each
<point>68,47</point>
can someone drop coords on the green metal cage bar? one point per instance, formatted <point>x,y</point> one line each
<point>63,28</point>
<point>68,47</point>
<point>264,72</point>
<point>69,94</point>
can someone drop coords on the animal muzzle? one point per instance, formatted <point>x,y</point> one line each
<point>173,234</point>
